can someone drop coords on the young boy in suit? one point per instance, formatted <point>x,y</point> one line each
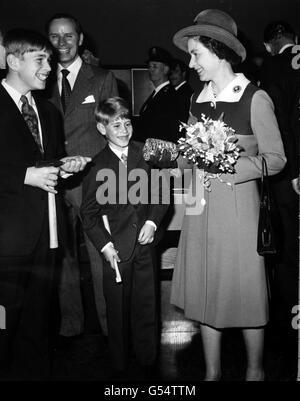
<point>30,153</point>
<point>131,304</point>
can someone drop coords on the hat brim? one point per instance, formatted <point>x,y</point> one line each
<point>180,38</point>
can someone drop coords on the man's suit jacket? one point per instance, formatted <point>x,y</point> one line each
<point>92,85</point>
<point>23,208</point>
<point>125,219</point>
<point>183,95</point>
<point>282,82</point>
<point>159,117</point>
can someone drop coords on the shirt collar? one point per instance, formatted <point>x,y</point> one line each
<point>231,93</point>
<point>159,87</point>
<point>285,47</point>
<point>180,85</point>
<point>118,152</point>
<point>73,68</point>
<point>16,95</point>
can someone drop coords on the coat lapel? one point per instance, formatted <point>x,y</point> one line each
<point>134,156</point>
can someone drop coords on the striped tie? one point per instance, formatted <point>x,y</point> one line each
<point>124,159</point>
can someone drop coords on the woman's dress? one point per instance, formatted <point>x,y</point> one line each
<point>219,279</point>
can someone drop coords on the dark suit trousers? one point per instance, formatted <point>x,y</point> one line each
<point>131,309</point>
<point>286,269</point>
<point>26,292</point>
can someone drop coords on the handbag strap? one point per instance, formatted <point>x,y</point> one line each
<point>264,188</point>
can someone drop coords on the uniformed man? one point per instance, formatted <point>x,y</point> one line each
<point>158,115</point>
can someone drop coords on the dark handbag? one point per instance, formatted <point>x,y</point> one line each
<point>265,232</point>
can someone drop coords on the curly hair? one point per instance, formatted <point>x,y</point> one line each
<point>222,51</point>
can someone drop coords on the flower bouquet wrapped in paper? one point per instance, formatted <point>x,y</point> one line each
<point>210,144</point>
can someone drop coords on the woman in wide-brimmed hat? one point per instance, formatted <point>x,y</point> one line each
<point>219,279</point>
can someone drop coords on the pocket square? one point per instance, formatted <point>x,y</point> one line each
<point>89,99</point>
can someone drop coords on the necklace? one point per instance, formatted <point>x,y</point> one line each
<point>214,91</point>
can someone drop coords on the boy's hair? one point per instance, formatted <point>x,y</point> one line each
<point>21,41</point>
<point>111,108</point>
<point>76,23</point>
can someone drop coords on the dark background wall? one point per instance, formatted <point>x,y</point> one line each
<point>123,30</point>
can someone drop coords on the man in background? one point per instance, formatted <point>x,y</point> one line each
<point>77,88</point>
<point>2,57</point>
<point>179,74</point>
<point>280,77</point>
<point>158,115</point>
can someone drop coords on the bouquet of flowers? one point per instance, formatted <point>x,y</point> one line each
<point>210,144</point>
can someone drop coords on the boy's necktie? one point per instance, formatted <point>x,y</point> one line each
<point>65,89</point>
<point>124,159</point>
<point>32,121</point>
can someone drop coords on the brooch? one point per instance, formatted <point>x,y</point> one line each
<point>237,89</point>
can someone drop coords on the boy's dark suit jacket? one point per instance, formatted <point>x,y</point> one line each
<point>125,220</point>
<point>23,207</point>
<point>159,117</point>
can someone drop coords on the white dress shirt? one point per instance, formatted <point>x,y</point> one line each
<point>74,70</point>
<point>180,85</point>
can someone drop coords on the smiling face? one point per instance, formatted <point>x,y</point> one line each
<point>63,36</point>
<point>203,61</point>
<point>118,132</point>
<point>29,71</point>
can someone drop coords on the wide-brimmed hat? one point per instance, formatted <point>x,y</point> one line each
<point>161,55</point>
<point>214,24</point>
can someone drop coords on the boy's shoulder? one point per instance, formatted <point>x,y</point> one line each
<point>42,101</point>
<point>104,154</point>
<point>136,145</point>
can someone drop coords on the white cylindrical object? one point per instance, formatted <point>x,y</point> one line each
<point>107,227</point>
<point>53,243</point>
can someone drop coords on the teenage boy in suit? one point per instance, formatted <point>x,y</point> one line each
<point>131,304</point>
<point>30,137</point>
<point>75,95</point>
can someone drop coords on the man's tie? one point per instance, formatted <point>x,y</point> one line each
<point>145,105</point>
<point>65,89</point>
<point>124,159</point>
<point>32,121</point>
